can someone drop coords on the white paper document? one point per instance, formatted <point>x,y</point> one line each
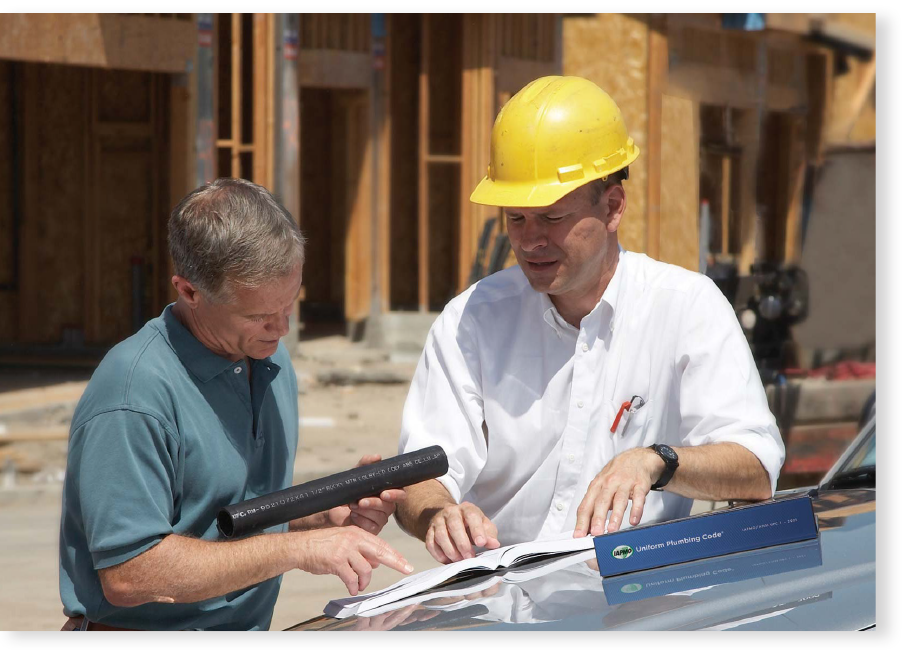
<point>485,562</point>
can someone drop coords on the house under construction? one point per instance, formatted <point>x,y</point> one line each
<point>373,130</point>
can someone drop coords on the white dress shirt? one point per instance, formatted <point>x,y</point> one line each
<point>522,402</point>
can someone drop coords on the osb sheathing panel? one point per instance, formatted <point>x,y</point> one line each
<point>611,50</point>
<point>679,188</point>
<point>52,273</point>
<point>100,40</point>
<point>862,124</point>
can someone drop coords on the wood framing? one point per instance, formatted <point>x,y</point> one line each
<point>658,68</point>
<point>334,69</point>
<point>131,42</point>
<point>424,103</point>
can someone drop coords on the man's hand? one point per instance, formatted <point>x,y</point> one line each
<point>349,553</point>
<point>628,476</point>
<point>370,513</point>
<point>454,529</point>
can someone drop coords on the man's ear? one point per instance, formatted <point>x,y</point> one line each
<point>187,292</point>
<point>614,197</point>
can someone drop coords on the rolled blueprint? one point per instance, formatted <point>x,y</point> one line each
<point>327,492</point>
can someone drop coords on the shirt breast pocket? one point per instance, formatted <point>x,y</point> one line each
<point>632,421</point>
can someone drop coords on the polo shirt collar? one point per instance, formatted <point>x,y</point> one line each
<point>196,357</point>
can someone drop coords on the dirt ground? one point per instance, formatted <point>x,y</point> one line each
<point>341,421</point>
<point>350,403</point>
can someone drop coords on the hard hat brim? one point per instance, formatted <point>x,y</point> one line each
<point>493,193</point>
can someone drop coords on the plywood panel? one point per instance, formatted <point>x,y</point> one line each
<point>622,74</point>
<point>100,40</point>
<point>679,187</point>
<point>124,97</point>
<point>55,155</point>
<point>334,69</point>
<point>125,214</point>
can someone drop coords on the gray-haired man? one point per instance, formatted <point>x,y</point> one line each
<point>197,410</point>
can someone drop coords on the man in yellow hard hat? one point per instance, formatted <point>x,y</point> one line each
<point>588,384</point>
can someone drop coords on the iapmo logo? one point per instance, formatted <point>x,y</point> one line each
<point>622,552</point>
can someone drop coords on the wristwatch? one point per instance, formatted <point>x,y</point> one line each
<point>671,459</point>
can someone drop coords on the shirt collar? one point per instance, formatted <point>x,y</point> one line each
<point>610,297</point>
<point>196,357</point>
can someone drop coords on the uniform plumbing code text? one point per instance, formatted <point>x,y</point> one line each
<point>682,541</point>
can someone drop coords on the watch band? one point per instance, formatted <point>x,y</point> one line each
<point>671,462</point>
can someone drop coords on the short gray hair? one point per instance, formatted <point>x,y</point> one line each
<point>232,232</point>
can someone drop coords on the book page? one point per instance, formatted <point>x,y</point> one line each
<point>486,561</point>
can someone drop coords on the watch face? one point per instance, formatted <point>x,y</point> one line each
<point>667,452</point>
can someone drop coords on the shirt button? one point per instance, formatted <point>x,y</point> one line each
<point>571,458</point>
<point>559,506</point>
<point>237,370</point>
<point>580,404</point>
<point>585,347</point>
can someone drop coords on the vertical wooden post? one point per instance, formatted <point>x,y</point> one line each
<point>658,67</point>
<point>263,100</point>
<point>725,173</point>
<point>746,125</point>
<point>423,163</point>
<point>382,179</point>
<point>287,138</point>
<point>236,94</point>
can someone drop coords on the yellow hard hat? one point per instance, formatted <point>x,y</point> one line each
<point>556,134</point>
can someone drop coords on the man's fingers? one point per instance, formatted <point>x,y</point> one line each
<point>393,495</point>
<point>362,568</point>
<point>368,458</point>
<point>639,496</point>
<point>433,547</point>
<point>600,510</point>
<point>477,530</point>
<point>364,523</point>
<point>585,511</point>
<point>443,540</point>
<point>373,504</point>
<point>619,504</point>
<point>457,529</point>
<point>375,549</point>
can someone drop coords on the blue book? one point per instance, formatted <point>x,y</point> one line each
<point>713,572</point>
<point>738,529</point>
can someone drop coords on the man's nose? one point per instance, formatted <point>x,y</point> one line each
<point>279,324</point>
<point>533,234</point>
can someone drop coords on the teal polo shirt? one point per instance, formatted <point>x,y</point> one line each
<point>167,433</point>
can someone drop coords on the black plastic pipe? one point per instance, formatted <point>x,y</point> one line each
<point>327,492</point>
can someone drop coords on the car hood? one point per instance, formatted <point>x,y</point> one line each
<point>824,584</point>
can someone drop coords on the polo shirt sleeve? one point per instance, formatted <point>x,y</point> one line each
<point>125,485</point>
<point>444,405</point>
<point>721,395</point>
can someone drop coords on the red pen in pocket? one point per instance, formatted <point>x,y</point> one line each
<point>637,401</point>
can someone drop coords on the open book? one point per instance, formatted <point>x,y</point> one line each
<point>484,563</point>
